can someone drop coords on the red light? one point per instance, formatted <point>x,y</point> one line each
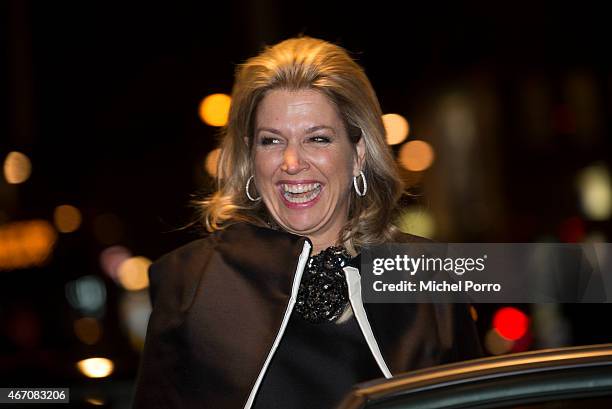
<point>510,323</point>
<point>572,230</point>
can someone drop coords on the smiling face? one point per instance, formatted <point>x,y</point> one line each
<point>304,164</point>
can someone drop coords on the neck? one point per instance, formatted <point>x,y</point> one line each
<point>330,236</point>
<point>318,247</point>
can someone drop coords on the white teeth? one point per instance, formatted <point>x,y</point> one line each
<point>300,188</point>
<point>312,190</point>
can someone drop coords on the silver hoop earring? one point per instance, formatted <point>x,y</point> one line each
<point>251,198</point>
<point>356,185</point>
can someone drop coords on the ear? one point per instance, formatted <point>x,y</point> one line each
<point>360,157</point>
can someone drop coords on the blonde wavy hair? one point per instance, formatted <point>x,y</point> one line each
<point>296,64</point>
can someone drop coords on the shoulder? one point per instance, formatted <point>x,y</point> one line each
<point>172,272</point>
<point>186,254</point>
<point>241,246</point>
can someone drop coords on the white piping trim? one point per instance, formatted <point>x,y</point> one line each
<point>294,290</point>
<point>353,280</point>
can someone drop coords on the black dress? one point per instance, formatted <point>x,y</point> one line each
<point>315,365</point>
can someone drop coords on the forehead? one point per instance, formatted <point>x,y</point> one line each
<point>283,108</point>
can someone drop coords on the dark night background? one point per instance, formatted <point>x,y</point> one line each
<point>103,98</point>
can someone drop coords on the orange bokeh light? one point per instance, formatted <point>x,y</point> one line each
<point>214,109</point>
<point>416,155</point>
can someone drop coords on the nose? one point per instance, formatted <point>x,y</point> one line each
<point>293,161</point>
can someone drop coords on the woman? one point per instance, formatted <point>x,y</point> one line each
<point>265,311</point>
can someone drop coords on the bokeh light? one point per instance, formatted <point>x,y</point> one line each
<point>67,218</point>
<point>134,311</point>
<point>416,155</point>
<point>417,220</point>
<point>26,244</point>
<point>495,344</point>
<point>133,273</point>
<point>510,323</point>
<point>572,230</point>
<point>111,258</point>
<point>87,330</point>
<point>87,295</point>
<point>96,367</point>
<point>212,159</point>
<point>473,313</point>
<point>396,128</point>
<point>214,109</point>
<point>457,121</point>
<point>595,187</point>
<point>17,168</point>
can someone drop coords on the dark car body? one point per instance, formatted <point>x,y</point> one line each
<point>573,377</point>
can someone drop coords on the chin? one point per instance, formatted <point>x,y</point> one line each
<point>300,221</point>
<point>300,226</point>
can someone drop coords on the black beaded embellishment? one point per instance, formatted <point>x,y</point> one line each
<point>323,293</point>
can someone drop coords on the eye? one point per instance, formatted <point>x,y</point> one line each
<point>268,140</point>
<point>320,139</point>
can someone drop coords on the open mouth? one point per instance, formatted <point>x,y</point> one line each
<point>300,193</point>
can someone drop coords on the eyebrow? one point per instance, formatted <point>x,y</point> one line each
<point>308,130</point>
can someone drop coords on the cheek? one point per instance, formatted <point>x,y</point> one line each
<point>336,167</point>
<point>264,166</point>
